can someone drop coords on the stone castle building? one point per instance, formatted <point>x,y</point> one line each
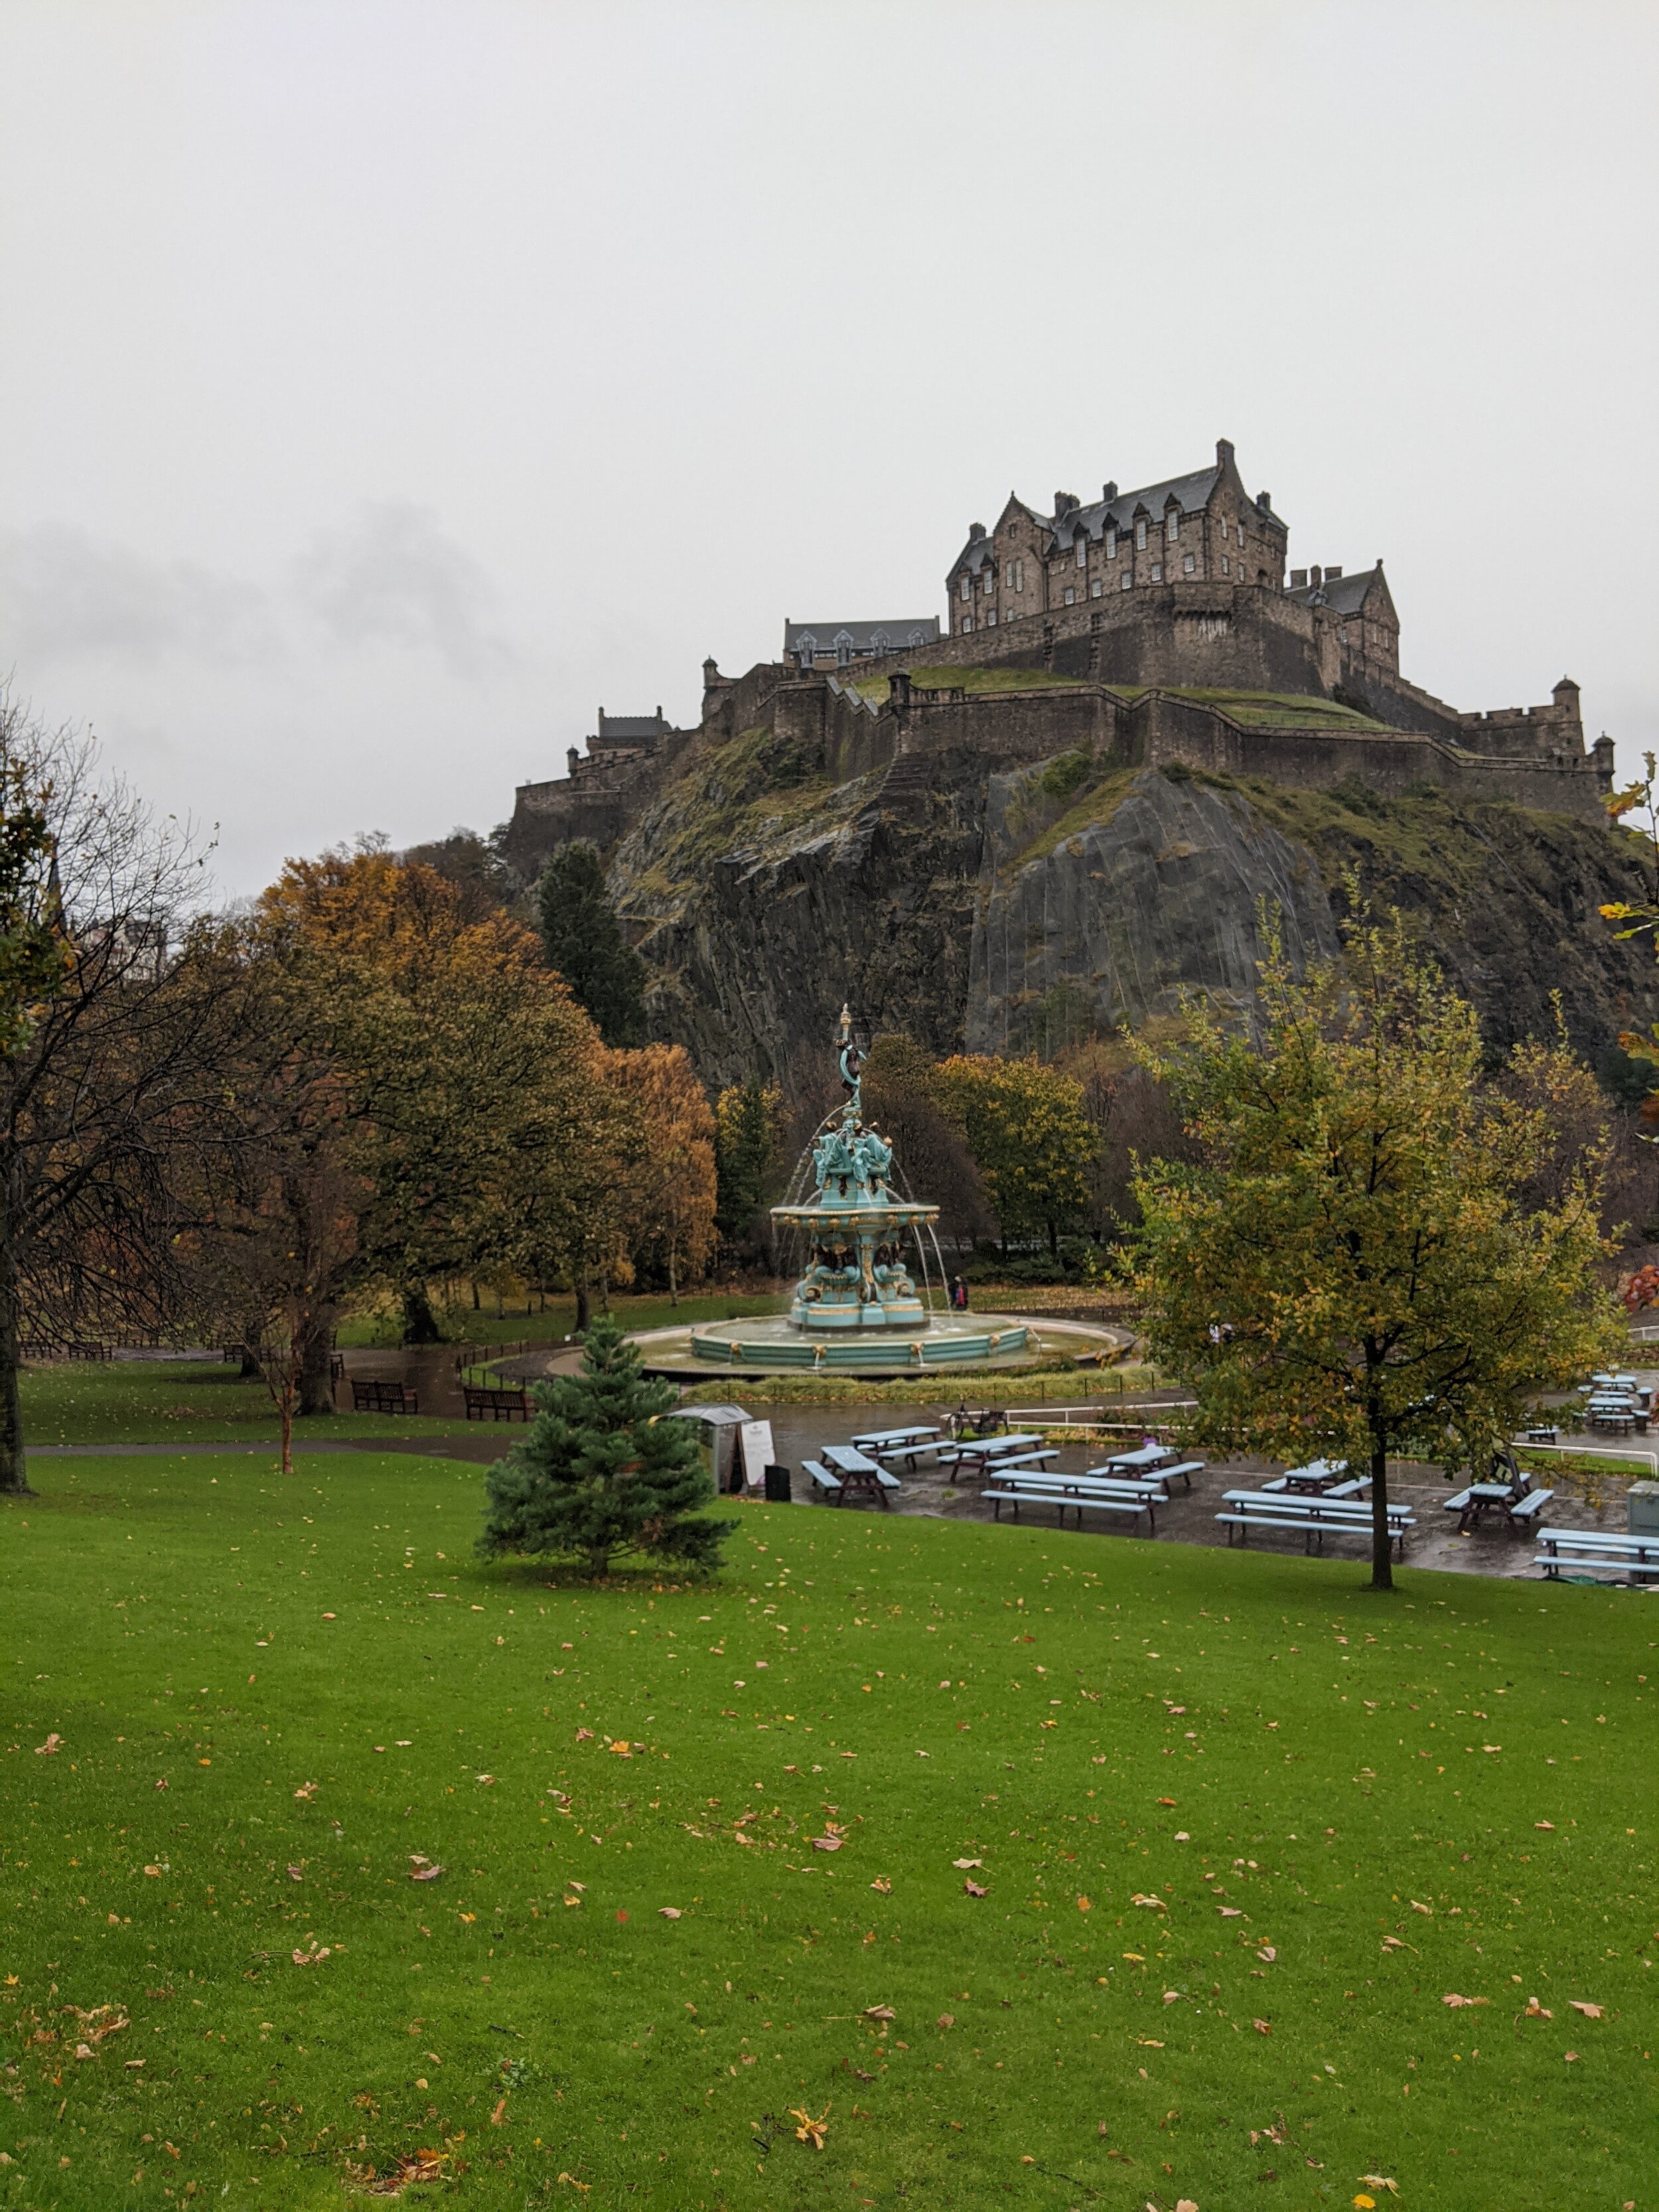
<point>1165,627</point>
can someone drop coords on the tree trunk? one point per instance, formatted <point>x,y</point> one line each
<point>584,1306</point>
<point>285,1411</point>
<point>674,1277</point>
<point>419,1322</point>
<point>316,1365</point>
<point>477,1303</point>
<point>250,1361</point>
<point>1381,1541</point>
<point>1054,1239</point>
<point>14,1474</point>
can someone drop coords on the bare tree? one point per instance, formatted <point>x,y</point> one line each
<point>120,1099</point>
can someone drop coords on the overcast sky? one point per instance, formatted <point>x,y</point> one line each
<point>385,387</point>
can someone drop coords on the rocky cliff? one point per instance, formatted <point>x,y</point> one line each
<point>1009,906</point>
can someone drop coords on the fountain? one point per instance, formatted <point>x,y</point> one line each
<point>857,1306</point>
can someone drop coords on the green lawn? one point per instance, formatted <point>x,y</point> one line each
<point>1345,1809</point>
<point>175,1401</point>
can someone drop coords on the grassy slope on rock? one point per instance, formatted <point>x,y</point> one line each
<point>1289,1767</point>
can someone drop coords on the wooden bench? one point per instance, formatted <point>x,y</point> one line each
<point>372,1397</point>
<point>827,1485</point>
<point>485,1403</point>
<point>1596,1551</point>
<point>1183,1470</point>
<point>1314,1517</point>
<point>94,1351</point>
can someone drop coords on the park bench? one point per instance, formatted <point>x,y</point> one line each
<point>1596,1550</point>
<point>860,1476</point>
<point>1102,1493</point>
<point>373,1397</point>
<point>484,1402</point>
<point>826,1486</point>
<point>38,1348</point>
<point>1314,1517</point>
<point>93,1352</point>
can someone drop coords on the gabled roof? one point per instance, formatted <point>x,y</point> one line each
<point>858,637</point>
<point>1343,595</point>
<point>1191,494</point>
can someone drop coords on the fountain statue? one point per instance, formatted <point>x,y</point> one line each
<point>858,1304</point>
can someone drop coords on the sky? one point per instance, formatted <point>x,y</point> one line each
<point>385,387</point>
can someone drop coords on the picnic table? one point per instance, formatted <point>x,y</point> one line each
<point>987,1451</point>
<point>911,1444</point>
<point>1518,1503</point>
<point>882,1439</point>
<point>1021,1486</point>
<point>859,1475</point>
<point>1315,1480</point>
<point>1151,1453</point>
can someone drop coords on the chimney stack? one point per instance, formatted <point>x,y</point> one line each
<point>1315,577</point>
<point>1223,451</point>
<point>1331,574</point>
<point>1108,491</point>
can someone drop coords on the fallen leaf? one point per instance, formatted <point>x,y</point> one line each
<point>1153,1904</point>
<point>1429,1909</point>
<point>967,1862</point>
<point>819,1843</point>
<point>1230,1911</point>
<point>1571,2057</point>
<point>811,2130</point>
<point>585,2187</point>
<point>1454,2000</point>
<point>668,1912</point>
<point>1268,1953</point>
<point>50,1748</point>
<point>1166,1800</point>
<point>1381,2181</point>
<point>1589,2011</point>
<point>882,1883</point>
<point>498,2118</point>
<point>1085,1904</point>
<point>947,2020</point>
<point>162,1783</point>
<point>1544,1823</point>
<point>306,1791</point>
<point>1262,2026</point>
<point>424,1871</point>
<point>621,1915</point>
<point>622,1748</point>
<point>973,1888</point>
<point>154,1872</point>
<point>311,1958</point>
<point>1535,2011</point>
<point>879,2012</point>
<point>487,1780</point>
<point>583,1736</point>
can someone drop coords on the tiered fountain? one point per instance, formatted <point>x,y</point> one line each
<point>858,1305</point>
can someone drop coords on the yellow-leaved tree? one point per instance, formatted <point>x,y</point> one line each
<point>1030,1139</point>
<point>1377,1253</point>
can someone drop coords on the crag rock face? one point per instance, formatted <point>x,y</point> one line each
<point>979,905</point>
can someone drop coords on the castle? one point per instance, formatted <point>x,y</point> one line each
<point>1154,626</point>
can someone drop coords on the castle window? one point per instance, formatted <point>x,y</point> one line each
<point>966,587</point>
<point>1187,564</point>
<point>991,619</point>
<point>1240,533</point>
<point>965,624</point>
<point>1096,588</point>
<point>990,581</point>
<point>1070,595</point>
<point>1081,551</point>
<point>1111,544</point>
<point>1140,530</point>
<point>1125,580</point>
<point>1226,566</point>
<point>1172,525</point>
<point>1158,572</point>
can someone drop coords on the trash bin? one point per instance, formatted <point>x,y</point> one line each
<point>777,1486</point>
<point>1643,1509</point>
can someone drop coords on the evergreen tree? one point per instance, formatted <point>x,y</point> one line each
<point>744,1148</point>
<point>601,1471</point>
<point>584,943</point>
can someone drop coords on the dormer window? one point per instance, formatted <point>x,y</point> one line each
<point>1111,544</point>
<point>990,582</point>
<point>966,587</point>
<point>1172,525</point>
<point>1140,532</point>
<point>1081,551</point>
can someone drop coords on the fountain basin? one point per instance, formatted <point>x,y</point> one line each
<point>947,1341</point>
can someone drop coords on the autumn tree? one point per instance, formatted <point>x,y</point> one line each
<point>931,1150</point>
<point>1030,1138</point>
<point>674,1187</point>
<point>1376,1253</point>
<point>584,942</point>
<point>460,1049</point>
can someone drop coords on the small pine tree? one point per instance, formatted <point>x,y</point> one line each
<point>584,941</point>
<point>602,1472</point>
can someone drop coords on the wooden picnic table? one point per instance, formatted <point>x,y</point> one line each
<point>1312,1480</point>
<point>1518,1503</point>
<point>1151,1453</point>
<point>990,1451</point>
<point>860,1476</point>
<point>883,1439</point>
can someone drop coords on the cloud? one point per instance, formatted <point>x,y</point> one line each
<point>64,593</point>
<point>394,576</point>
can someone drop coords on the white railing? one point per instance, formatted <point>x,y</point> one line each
<point>1593,1452</point>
